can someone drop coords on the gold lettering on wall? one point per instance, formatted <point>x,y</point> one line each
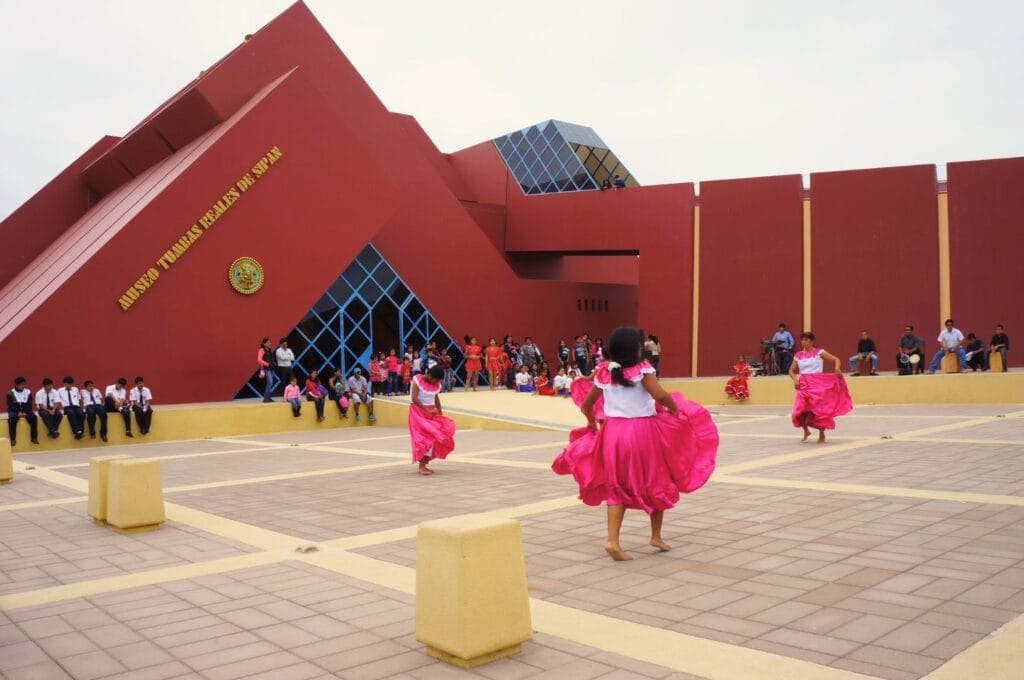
<point>178,249</point>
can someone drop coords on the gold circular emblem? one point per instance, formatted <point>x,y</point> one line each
<point>246,275</point>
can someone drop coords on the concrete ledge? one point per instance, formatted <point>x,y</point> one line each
<point>950,388</point>
<point>99,478</point>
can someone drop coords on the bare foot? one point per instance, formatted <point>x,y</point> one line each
<point>807,433</point>
<point>426,471</point>
<point>661,545</point>
<point>821,436</point>
<point>616,552</point>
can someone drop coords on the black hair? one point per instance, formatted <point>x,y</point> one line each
<point>653,338</point>
<point>264,341</point>
<point>282,340</point>
<point>20,379</point>
<point>466,338</point>
<point>972,335</point>
<point>139,379</point>
<point>87,383</point>
<point>807,334</point>
<point>47,381</point>
<point>999,325</point>
<point>68,380</point>
<point>910,326</point>
<point>122,381</point>
<point>782,325</point>
<point>950,321</point>
<point>436,372</point>
<point>624,349</point>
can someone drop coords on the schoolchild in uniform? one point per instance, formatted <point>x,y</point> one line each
<point>141,400</point>
<point>116,401</point>
<point>71,397</point>
<point>92,400</point>
<point>19,405</point>
<point>50,408</point>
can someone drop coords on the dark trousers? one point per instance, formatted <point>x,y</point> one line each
<point>12,424</point>
<point>393,382</point>
<point>655,360</point>
<point>319,402</point>
<point>51,422</point>
<point>783,358</point>
<point>143,418</point>
<point>977,360</point>
<point>92,412</point>
<point>76,419</point>
<point>284,373</point>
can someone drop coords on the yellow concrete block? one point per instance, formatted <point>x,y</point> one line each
<point>995,362</point>
<point>135,495</point>
<point>99,471</point>
<point>951,363</point>
<point>472,605</point>
<point>6,461</point>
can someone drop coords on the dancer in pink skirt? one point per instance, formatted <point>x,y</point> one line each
<point>820,396</point>
<point>432,434</point>
<point>651,445</point>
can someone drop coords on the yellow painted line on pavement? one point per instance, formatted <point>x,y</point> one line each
<point>28,505</point>
<point>811,450</point>
<point>902,492</point>
<point>678,651</point>
<point>100,586</point>
<point>180,455</point>
<point>277,478</point>
<point>52,476</point>
<point>1000,656</point>
<point>257,537</point>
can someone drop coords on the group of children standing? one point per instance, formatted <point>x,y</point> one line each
<point>391,374</point>
<point>80,406</point>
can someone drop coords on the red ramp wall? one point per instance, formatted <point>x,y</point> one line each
<point>751,266</point>
<point>986,239</point>
<point>874,258</point>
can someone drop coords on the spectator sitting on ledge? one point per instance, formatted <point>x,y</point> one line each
<point>606,184</point>
<point>619,182</point>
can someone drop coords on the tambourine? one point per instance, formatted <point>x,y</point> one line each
<point>905,358</point>
<point>915,358</point>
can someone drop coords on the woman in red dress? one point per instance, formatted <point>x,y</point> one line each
<point>495,363</point>
<point>472,352</point>
<point>737,385</point>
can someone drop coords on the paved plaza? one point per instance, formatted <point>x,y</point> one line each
<point>895,550</point>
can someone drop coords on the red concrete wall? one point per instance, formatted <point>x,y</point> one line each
<point>45,216</point>
<point>986,239</point>
<point>751,266</point>
<point>657,221</point>
<point>874,258</point>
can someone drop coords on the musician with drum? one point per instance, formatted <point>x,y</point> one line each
<point>910,360</point>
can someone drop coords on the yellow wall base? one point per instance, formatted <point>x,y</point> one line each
<point>952,388</point>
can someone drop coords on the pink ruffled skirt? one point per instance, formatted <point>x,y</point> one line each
<point>433,433</point>
<point>823,395</point>
<point>642,463</point>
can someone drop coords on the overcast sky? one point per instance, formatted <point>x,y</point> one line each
<point>681,91</point>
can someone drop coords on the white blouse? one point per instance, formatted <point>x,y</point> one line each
<point>627,402</point>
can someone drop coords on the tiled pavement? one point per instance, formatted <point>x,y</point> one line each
<point>877,554</point>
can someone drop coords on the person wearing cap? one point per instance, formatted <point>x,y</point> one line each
<point>359,388</point>
<point>71,397</point>
<point>19,405</point>
<point>50,408</point>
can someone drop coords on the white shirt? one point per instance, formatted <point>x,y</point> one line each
<point>562,382</point>
<point>628,402</point>
<point>523,379</point>
<point>808,362</point>
<point>285,357</point>
<point>427,393</point>
<point>117,393</point>
<point>22,396</point>
<point>949,339</point>
<point>92,397</point>
<point>146,396</point>
<point>54,398</point>
<point>70,396</point>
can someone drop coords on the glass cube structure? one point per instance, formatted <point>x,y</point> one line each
<point>554,156</point>
<point>367,309</point>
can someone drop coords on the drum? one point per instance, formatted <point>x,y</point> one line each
<point>915,359</point>
<point>864,365</point>
<point>951,363</point>
<point>995,362</point>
